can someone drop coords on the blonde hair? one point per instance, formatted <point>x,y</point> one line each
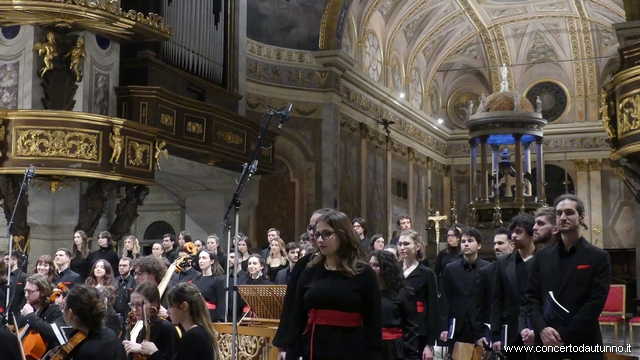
<point>417,239</point>
<point>283,253</point>
<point>136,246</point>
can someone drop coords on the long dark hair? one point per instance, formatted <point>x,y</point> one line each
<point>457,232</point>
<point>391,277</point>
<point>216,268</point>
<point>87,304</point>
<point>262,263</point>
<point>189,293</point>
<point>349,252</point>
<point>85,245</point>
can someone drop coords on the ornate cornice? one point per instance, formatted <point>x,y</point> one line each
<point>289,76</point>
<point>274,53</point>
<point>260,103</point>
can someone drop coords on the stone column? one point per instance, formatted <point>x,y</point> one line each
<point>388,171</point>
<point>484,174</point>
<point>540,172</point>
<point>518,195</point>
<point>410,184</point>
<point>527,164</point>
<point>364,129</point>
<point>429,189</point>
<point>329,167</point>
<point>446,192</point>
<point>594,218</point>
<point>495,161</point>
<point>582,191</point>
<point>474,183</point>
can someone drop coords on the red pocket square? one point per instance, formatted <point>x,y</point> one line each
<point>580,267</point>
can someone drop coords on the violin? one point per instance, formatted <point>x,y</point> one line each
<point>62,352</point>
<point>148,323</point>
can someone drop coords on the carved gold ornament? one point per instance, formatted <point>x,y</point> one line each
<point>115,141</point>
<point>57,143</point>
<point>160,144</point>
<point>629,114</point>
<point>229,137</point>
<point>137,152</point>
<point>248,347</point>
<point>77,54</point>
<point>50,51</point>
<point>606,121</point>
<point>166,119</point>
<point>194,127</point>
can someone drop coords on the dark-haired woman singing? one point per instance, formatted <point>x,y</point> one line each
<point>83,309</point>
<point>399,313</point>
<point>188,308</point>
<point>336,314</point>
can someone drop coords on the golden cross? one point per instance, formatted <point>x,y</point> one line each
<point>436,219</point>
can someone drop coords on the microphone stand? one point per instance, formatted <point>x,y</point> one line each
<point>248,170</point>
<point>28,175</point>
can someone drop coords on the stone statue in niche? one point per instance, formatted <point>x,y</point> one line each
<point>50,51</point>
<point>483,103</point>
<point>127,211</point>
<point>9,189</point>
<point>77,54</point>
<point>92,206</point>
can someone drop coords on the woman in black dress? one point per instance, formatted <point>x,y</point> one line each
<point>188,308</point>
<point>451,252</point>
<point>80,254</point>
<point>277,259</point>
<point>399,313</point>
<point>83,309</point>
<point>424,283</point>
<point>105,252</point>
<point>245,250</point>
<point>213,245</point>
<point>131,248</point>
<point>336,313</point>
<point>211,284</point>
<point>163,338</point>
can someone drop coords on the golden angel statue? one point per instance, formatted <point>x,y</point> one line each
<point>115,141</point>
<point>160,144</point>
<point>606,120</point>
<point>76,54</point>
<point>50,52</point>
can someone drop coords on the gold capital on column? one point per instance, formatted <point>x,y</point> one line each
<point>581,165</point>
<point>595,165</point>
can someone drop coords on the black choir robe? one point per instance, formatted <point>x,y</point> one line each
<point>424,282</point>
<point>399,311</point>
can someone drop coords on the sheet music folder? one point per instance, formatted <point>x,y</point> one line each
<point>553,313</point>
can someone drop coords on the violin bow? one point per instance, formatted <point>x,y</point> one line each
<point>15,325</point>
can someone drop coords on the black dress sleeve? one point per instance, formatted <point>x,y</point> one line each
<point>279,340</point>
<point>371,315</point>
<point>195,345</point>
<point>166,342</point>
<point>433,313</point>
<point>298,317</point>
<point>220,298</point>
<point>410,330</point>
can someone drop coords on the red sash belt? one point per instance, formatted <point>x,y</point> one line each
<point>420,306</point>
<point>332,318</point>
<point>391,333</point>
<point>246,308</point>
<point>211,306</point>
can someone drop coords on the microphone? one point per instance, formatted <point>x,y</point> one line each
<point>29,173</point>
<point>254,167</point>
<point>284,114</point>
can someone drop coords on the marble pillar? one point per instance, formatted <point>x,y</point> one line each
<point>484,170</point>
<point>364,128</point>
<point>447,193</point>
<point>595,202</point>
<point>582,191</point>
<point>518,168</point>
<point>540,182</point>
<point>474,181</point>
<point>527,166</point>
<point>429,186</point>
<point>101,75</point>
<point>495,149</point>
<point>329,173</point>
<point>390,189</point>
<point>410,186</point>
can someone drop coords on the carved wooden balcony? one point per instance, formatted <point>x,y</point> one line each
<point>104,17</point>
<point>195,130</point>
<point>77,145</point>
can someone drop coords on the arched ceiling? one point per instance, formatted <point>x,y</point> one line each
<point>462,43</point>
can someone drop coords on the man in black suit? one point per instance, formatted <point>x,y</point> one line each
<point>404,224</point>
<point>18,280</point>
<point>293,253</point>
<point>579,275</point>
<point>502,246</point>
<point>458,284</point>
<point>509,286</point>
<point>360,226</point>
<point>66,276</point>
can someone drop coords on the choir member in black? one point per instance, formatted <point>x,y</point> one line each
<point>84,310</point>
<point>65,275</point>
<point>211,285</point>
<point>424,283</point>
<point>45,266</point>
<point>38,312</point>
<point>80,262</point>
<point>277,259</point>
<point>188,308</point>
<point>131,248</point>
<point>336,313</point>
<point>234,271</point>
<point>183,238</point>
<point>213,245</point>
<point>451,252</point>
<point>404,224</point>
<point>199,245</point>
<point>157,251</point>
<point>163,337</point>
<point>187,273</point>
<point>399,313</point>
<point>112,320</point>
<point>394,250</point>
<point>361,228</point>
<point>102,274</point>
<point>458,284</point>
<point>3,289</point>
<point>279,340</point>
<point>105,251</point>
<point>17,281</point>
<point>377,243</point>
<point>293,252</point>
<point>126,283</point>
<point>256,271</point>
<point>9,347</point>
<point>245,250</point>
<point>169,245</point>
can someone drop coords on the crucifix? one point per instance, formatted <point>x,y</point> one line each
<point>436,219</point>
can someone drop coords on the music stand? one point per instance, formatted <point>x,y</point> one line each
<point>266,301</point>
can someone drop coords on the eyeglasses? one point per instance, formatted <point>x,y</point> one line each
<point>27,291</point>
<point>326,234</point>
<point>135,306</point>
<point>138,273</point>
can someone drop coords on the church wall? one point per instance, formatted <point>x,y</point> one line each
<point>350,174</point>
<point>16,69</point>
<point>420,198</point>
<point>399,196</point>
<point>96,93</point>
<point>376,192</point>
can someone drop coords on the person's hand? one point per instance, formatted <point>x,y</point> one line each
<point>282,354</point>
<point>131,347</point>
<point>528,336</point>
<point>162,312</point>
<point>26,310</point>
<point>427,354</point>
<point>444,335</point>
<point>148,348</point>
<point>496,346</point>
<point>550,337</point>
<point>482,342</point>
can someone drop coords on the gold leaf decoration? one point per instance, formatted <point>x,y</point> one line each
<point>229,137</point>
<point>629,114</point>
<point>57,143</point>
<point>137,152</point>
